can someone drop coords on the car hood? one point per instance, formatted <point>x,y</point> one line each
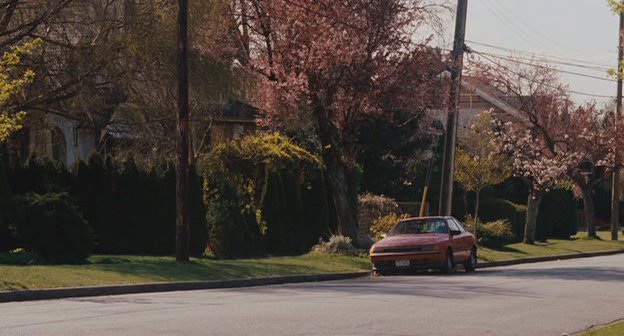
<point>412,239</point>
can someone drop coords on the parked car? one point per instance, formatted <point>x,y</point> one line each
<point>423,243</point>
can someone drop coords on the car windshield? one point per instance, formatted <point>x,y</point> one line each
<point>416,226</point>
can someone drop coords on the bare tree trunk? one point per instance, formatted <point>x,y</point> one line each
<point>476,212</point>
<point>588,207</point>
<point>339,184</point>
<point>182,143</point>
<point>533,203</point>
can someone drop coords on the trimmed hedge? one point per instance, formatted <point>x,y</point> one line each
<point>131,210</point>
<point>557,217</point>
<point>495,208</point>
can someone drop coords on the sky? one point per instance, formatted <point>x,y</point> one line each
<point>582,32</point>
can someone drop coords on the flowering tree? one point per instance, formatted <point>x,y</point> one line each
<point>478,164</point>
<point>552,138</point>
<point>326,64</point>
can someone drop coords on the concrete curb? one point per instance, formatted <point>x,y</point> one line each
<point>508,262</point>
<point>62,293</point>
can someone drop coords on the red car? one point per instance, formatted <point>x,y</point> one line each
<point>425,242</point>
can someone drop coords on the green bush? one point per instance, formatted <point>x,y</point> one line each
<point>51,227</point>
<point>496,208</point>
<point>492,234</point>
<point>232,231</point>
<point>557,216</point>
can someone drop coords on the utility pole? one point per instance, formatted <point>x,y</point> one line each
<point>450,138</point>
<point>615,183</point>
<point>182,138</point>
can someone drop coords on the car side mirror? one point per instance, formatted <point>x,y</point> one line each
<point>455,232</point>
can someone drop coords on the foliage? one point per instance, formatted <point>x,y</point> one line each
<point>558,215</point>
<point>371,207</point>
<point>326,64</point>
<point>337,244</point>
<point>51,227</point>
<point>395,160</point>
<point>496,208</point>
<point>478,164</point>
<point>12,80</point>
<point>231,232</point>
<point>492,234</point>
<point>131,210</point>
<point>274,187</point>
<point>382,225</point>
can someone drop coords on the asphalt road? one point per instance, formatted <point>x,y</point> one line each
<point>550,298</point>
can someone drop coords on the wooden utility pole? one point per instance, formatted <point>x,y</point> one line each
<point>182,138</point>
<point>615,185</point>
<point>450,138</point>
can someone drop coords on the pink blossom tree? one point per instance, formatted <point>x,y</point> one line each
<point>551,138</point>
<point>327,63</point>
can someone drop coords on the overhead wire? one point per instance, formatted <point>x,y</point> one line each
<point>511,71</point>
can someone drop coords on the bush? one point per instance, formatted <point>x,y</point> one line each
<point>493,234</point>
<point>383,224</point>
<point>232,232</point>
<point>557,216</point>
<point>336,245</point>
<point>51,227</point>
<point>496,208</point>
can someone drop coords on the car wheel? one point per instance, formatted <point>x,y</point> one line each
<point>449,264</point>
<point>471,265</point>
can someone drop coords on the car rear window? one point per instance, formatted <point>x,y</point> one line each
<point>416,226</point>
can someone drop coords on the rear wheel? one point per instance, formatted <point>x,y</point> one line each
<point>449,264</point>
<point>471,264</point>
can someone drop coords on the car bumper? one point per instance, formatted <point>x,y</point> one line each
<point>388,261</point>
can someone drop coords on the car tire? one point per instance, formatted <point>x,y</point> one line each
<point>449,263</point>
<point>471,264</point>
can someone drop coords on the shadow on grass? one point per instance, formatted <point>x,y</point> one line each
<point>203,269</point>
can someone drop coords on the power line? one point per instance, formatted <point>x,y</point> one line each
<point>551,58</point>
<point>548,85</point>
<point>511,59</point>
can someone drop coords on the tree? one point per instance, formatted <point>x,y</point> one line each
<point>551,137</point>
<point>478,164</point>
<point>13,79</point>
<point>326,64</point>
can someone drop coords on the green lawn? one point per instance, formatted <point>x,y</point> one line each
<point>553,247</point>
<point>133,269</point>
<point>102,270</point>
<point>613,329</point>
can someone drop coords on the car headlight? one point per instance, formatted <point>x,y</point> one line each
<point>372,250</point>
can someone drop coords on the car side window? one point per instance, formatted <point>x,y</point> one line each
<point>459,225</point>
<point>452,225</point>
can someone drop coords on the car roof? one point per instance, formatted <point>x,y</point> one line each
<point>427,217</point>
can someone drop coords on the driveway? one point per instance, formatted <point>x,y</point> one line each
<point>550,298</point>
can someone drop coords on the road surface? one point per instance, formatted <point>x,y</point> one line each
<point>550,298</point>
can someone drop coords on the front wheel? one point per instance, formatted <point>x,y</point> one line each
<point>471,265</point>
<point>449,264</point>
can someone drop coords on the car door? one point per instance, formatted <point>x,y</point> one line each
<point>456,241</point>
<point>463,241</point>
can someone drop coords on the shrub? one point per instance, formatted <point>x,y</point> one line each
<point>383,224</point>
<point>557,216</point>
<point>493,234</point>
<point>370,208</point>
<point>51,227</point>
<point>232,232</point>
<point>496,208</point>
<point>336,245</point>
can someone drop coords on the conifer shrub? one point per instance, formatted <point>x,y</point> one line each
<point>51,227</point>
